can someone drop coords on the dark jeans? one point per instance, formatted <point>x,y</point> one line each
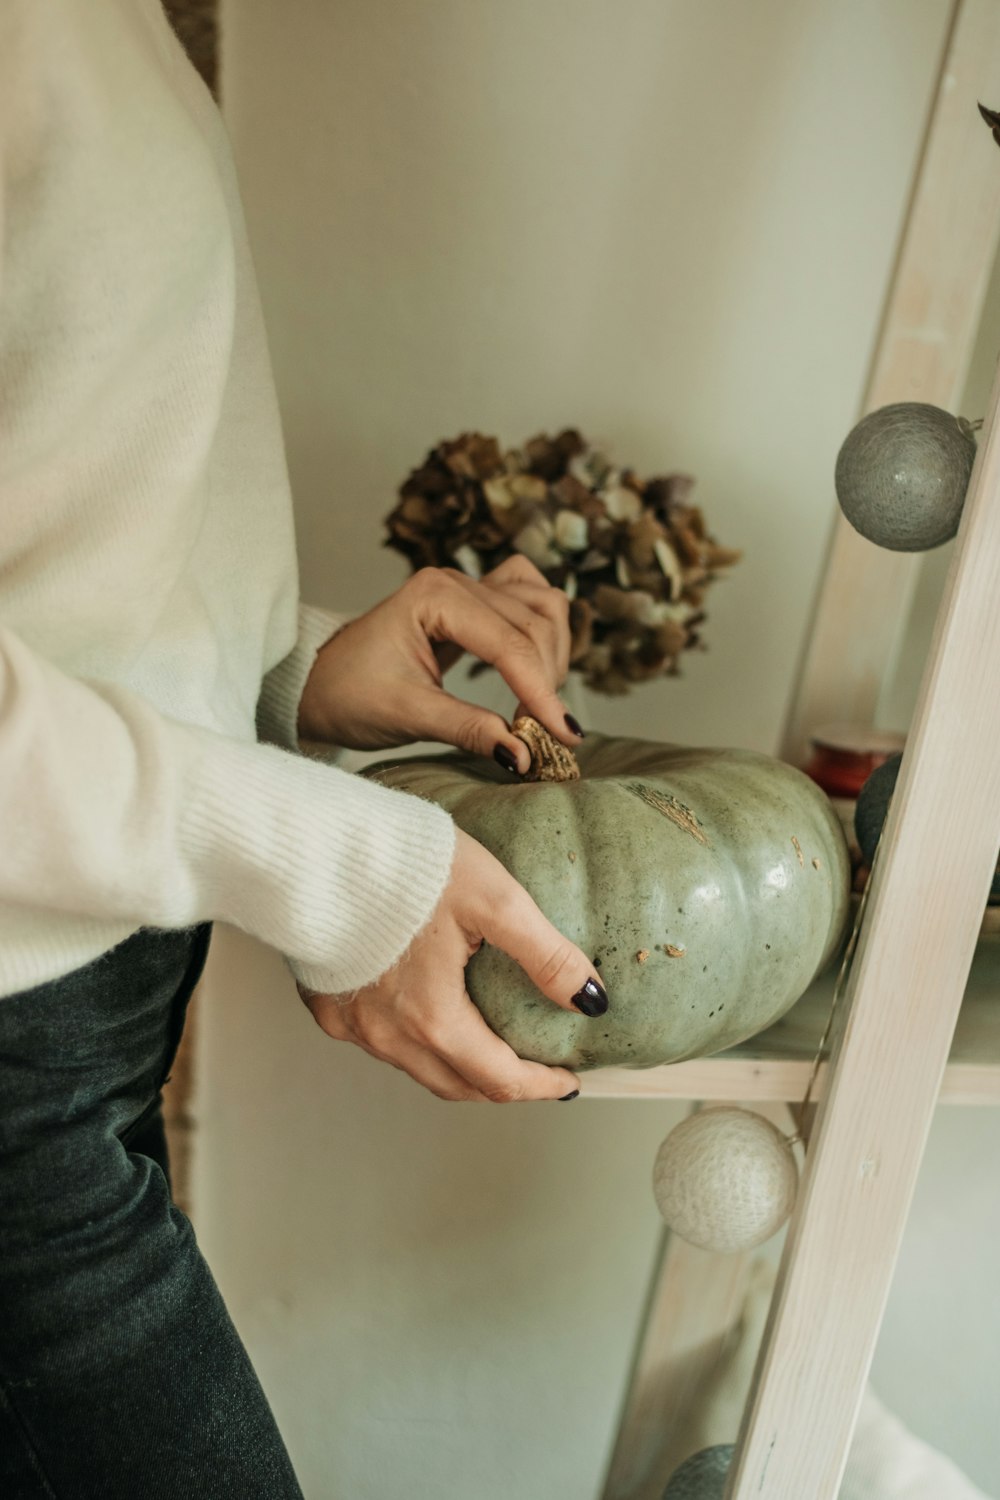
<point>121,1374</point>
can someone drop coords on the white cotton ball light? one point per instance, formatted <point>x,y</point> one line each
<point>725,1179</point>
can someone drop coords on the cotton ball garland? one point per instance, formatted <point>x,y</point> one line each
<point>702,1476</point>
<point>725,1179</point>
<point>902,473</point>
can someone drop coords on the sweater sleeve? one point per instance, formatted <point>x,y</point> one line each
<point>112,810</point>
<point>281,690</point>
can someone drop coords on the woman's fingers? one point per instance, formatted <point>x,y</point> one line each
<point>429,1070</point>
<point>452,611</point>
<point>450,1050</point>
<point>513,922</point>
<point>530,604</point>
<point>518,577</point>
<point>419,1016</point>
<point>549,605</point>
<point>538,611</point>
<point>485,1062</point>
<point>434,714</point>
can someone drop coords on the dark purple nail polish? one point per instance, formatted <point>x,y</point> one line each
<point>574,1095</point>
<point>592,999</point>
<point>574,726</point>
<point>506,758</point>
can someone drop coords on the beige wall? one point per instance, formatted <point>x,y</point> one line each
<point>670,224</point>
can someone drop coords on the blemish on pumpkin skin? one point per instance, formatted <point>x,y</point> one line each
<point>670,807</point>
<point>672,951</point>
<point>571,856</point>
<point>798,851</point>
<point>817,865</point>
<point>642,955</point>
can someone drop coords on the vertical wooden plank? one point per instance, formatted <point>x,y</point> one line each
<point>694,1307</point>
<point>692,1318</point>
<point>929,888</point>
<point>922,353</point>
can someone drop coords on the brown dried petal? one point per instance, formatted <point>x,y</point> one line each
<point>550,457</point>
<point>652,580</point>
<point>642,536</point>
<point>611,604</point>
<point>721,557</point>
<point>472,455</point>
<point>591,561</point>
<point>689,546</point>
<point>612,682</point>
<point>499,492</point>
<point>529,488</point>
<point>571,493</point>
<point>667,492</point>
<point>637,670</point>
<point>670,638</point>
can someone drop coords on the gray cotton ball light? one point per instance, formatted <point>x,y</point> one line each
<point>702,1476</point>
<point>902,474</point>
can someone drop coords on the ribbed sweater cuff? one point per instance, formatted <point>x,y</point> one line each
<point>282,688</point>
<point>336,872</point>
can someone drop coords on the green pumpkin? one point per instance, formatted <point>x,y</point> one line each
<point>709,886</point>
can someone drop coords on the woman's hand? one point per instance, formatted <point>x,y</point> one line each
<point>378,682</point>
<point>419,1016</point>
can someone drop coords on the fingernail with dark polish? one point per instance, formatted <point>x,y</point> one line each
<point>574,726</point>
<point>506,758</point>
<point>574,1095</point>
<point>592,999</point>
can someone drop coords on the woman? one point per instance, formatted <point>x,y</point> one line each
<point>158,673</point>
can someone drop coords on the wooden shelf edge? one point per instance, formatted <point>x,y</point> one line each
<point>737,1080</point>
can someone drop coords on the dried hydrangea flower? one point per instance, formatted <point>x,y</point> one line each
<point>634,556</point>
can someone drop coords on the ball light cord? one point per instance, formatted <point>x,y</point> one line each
<point>840,986</point>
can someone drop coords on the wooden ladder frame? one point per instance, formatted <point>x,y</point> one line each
<point>929,889</point>
<point>928,893</point>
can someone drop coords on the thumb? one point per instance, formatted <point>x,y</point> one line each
<point>561,970</point>
<point>436,715</point>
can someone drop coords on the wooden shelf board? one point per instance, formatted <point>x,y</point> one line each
<point>775,1065</point>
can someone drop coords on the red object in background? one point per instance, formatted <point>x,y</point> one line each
<point>845,755</point>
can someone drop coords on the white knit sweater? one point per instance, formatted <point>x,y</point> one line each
<point>148,581</point>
